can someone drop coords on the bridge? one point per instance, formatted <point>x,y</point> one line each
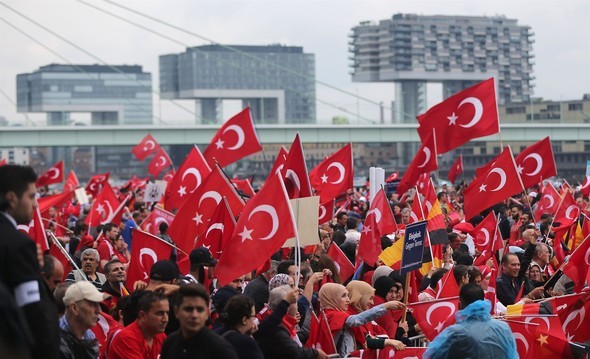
<point>51,136</point>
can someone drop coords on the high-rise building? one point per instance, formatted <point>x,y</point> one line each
<point>277,82</point>
<point>457,51</point>
<point>114,95</point>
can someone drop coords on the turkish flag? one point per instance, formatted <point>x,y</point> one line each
<point>447,286</point>
<point>264,225</point>
<point>295,173</point>
<point>549,201</point>
<point>578,265</point>
<point>106,325</point>
<point>549,340</point>
<point>151,223</point>
<point>168,176</point>
<point>434,316</point>
<point>392,177</point>
<point>524,336</point>
<point>501,182</point>
<point>187,179</point>
<point>36,230</point>
<point>345,267</point>
<point>219,230</point>
<point>57,200</point>
<point>134,183</point>
<point>334,175</point>
<point>2,162</point>
<point>486,236</point>
<point>422,182</point>
<point>385,220</point>
<point>571,310</point>
<point>65,262</point>
<point>469,114</point>
<point>320,336</point>
<point>96,182</point>
<point>104,207</point>
<point>71,182</point>
<point>568,210</point>
<point>456,169</point>
<point>236,139</point>
<point>536,162</point>
<point>147,249</point>
<point>419,211</point>
<point>424,161</point>
<point>146,147</point>
<point>369,246</point>
<point>490,293</point>
<point>585,187</point>
<point>244,186</point>
<point>279,161</point>
<point>53,175</point>
<point>160,161</point>
<point>326,212</point>
<point>193,216</point>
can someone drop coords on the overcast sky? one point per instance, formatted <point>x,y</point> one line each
<point>561,47</point>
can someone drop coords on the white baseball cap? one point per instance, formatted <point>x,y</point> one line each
<point>83,290</point>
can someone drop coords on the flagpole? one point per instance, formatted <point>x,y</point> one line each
<point>57,224</point>
<point>435,155</point>
<point>161,240</point>
<point>498,114</point>
<point>65,253</point>
<point>297,242</point>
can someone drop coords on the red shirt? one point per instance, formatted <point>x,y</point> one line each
<point>105,250</point>
<point>129,343</point>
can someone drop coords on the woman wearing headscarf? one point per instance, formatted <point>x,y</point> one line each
<point>369,335</point>
<point>334,300</point>
<point>385,290</point>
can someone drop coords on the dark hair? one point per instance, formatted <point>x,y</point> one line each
<point>519,207</point>
<point>283,267</point>
<point>192,290</point>
<point>15,178</point>
<point>109,264</point>
<point>505,258</point>
<point>80,227</point>
<point>148,297</point>
<point>470,293</point>
<point>48,266</point>
<point>436,276</point>
<point>474,272</point>
<point>326,262</point>
<point>107,227</point>
<point>237,307</point>
<point>163,227</point>
<point>338,237</point>
<point>135,215</point>
<point>340,215</point>
<point>459,271</point>
<point>351,223</point>
<point>440,194</point>
<point>121,305</point>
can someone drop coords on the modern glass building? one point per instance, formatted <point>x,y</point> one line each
<point>114,95</point>
<point>457,51</point>
<point>277,82</point>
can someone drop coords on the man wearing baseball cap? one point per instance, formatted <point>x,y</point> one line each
<point>82,301</point>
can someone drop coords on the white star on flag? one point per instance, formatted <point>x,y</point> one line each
<point>367,229</point>
<point>219,143</point>
<point>198,218</point>
<point>519,169</point>
<point>100,209</point>
<point>482,188</point>
<point>246,234</point>
<point>324,178</point>
<point>182,191</point>
<point>452,119</point>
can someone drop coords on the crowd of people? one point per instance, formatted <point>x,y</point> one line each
<point>92,312</point>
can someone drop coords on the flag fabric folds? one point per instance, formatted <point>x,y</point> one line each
<point>334,175</point>
<point>187,179</point>
<point>145,147</point>
<point>469,114</point>
<point>456,169</point>
<point>53,175</point>
<point>236,139</point>
<point>536,162</point>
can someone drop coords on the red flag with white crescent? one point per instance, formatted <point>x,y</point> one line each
<point>295,173</point>
<point>55,174</point>
<point>220,228</point>
<point>456,169</point>
<point>71,182</point>
<point>263,227</point>
<point>104,207</point>
<point>469,114</point>
<point>424,161</point>
<point>96,182</point>
<point>334,175</point>
<point>147,249</point>
<point>159,162</point>
<point>236,139</point>
<point>434,316</point>
<point>536,162</point>
<point>151,223</point>
<point>146,147</point>
<point>187,179</point>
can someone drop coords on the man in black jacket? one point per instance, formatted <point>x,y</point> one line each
<point>194,340</point>
<point>239,323</point>
<point>19,265</point>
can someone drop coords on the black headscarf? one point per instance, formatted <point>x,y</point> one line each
<point>383,285</point>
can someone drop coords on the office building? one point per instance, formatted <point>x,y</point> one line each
<point>277,82</point>
<point>457,51</point>
<point>113,95</point>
